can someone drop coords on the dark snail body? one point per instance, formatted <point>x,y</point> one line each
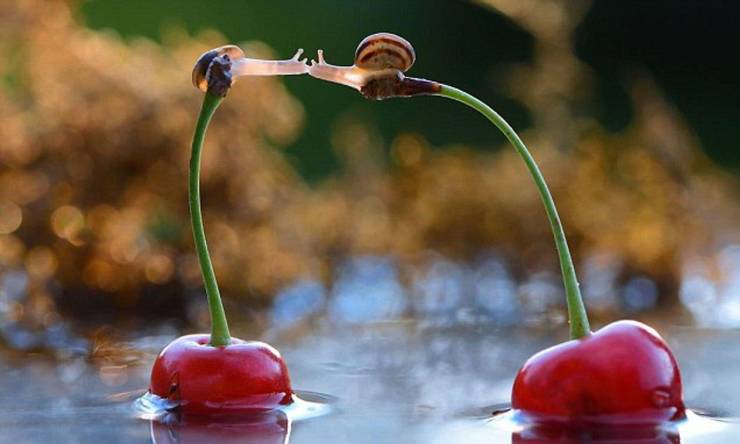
<point>215,66</point>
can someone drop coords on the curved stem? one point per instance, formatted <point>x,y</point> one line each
<point>219,328</point>
<point>579,326</point>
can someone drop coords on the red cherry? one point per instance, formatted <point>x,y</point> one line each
<point>624,372</point>
<point>243,376</point>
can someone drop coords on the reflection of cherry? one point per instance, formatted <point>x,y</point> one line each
<point>621,434</point>
<point>268,428</point>
<point>242,376</point>
<point>624,370</point>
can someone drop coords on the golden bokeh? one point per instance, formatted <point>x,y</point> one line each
<point>93,172</point>
<point>11,217</point>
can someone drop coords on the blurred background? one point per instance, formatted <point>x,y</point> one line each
<point>322,207</point>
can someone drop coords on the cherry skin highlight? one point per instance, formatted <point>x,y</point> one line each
<point>624,372</point>
<point>244,376</point>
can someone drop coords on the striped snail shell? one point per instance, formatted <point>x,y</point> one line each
<point>385,51</point>
<point>200,69</point>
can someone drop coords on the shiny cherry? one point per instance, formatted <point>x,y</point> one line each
<point>244,376</point>
<point>623,373</point>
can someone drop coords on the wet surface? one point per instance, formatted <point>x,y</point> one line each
<point>424,354</point>
<point>419,381</point>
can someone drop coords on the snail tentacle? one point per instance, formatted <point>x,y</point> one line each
<point>351,76</point>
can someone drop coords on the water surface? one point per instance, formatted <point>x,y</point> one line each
<point>399,381</point>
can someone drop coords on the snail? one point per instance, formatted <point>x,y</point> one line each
<point>378,72</point>
<point>215,70</point>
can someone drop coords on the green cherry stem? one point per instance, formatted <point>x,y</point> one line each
<point>219,328</point>
<point>579,326</point>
